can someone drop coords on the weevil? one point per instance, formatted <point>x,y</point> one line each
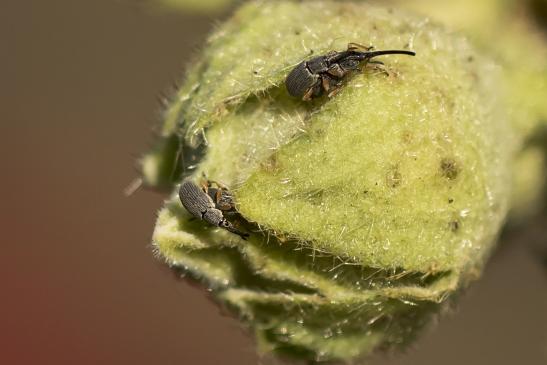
<point>310,78</point>
<point>209,204</point>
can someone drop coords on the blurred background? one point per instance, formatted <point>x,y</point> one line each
<point>79,88</point>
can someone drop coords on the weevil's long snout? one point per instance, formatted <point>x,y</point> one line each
<point>371,54</point>
<point>230,227</point>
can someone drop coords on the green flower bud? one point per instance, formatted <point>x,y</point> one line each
<point>507,31</point>
<point>367,210</point>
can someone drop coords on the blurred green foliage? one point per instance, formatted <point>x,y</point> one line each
<point>202,6</point>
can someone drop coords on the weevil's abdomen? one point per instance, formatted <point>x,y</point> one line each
<point>194,199</point>
<point>300,80</point>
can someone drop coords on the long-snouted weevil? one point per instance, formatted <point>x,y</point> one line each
<point>209,204</point>
<point>310,78</point>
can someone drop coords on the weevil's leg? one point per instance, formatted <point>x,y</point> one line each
<point>334,85</point>
<point>352,46</point>
<point>325,82</point>
<point>218,184</point>
<point>336,71</point>
<point>218,195</point>
<point>334,92</point>
<point>376,66</point>
<point>374,62</point>
<point>226,207</point>
<point>204,184</point>
<point>309,94</point>
<point>318,88</point>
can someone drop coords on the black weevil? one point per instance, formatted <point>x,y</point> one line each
<point>310,78</point>
<point>209,204</point>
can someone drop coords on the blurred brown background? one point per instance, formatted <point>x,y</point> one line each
<point>79,82</point>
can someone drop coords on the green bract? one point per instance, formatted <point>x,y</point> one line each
<point>366,210</point>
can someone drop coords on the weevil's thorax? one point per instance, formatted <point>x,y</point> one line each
<point>318,64</point>
<point>213,216</point>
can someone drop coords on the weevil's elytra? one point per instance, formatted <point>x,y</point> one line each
<point>309,79</point>
<point>299,80</point>
<point>208,204</point>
